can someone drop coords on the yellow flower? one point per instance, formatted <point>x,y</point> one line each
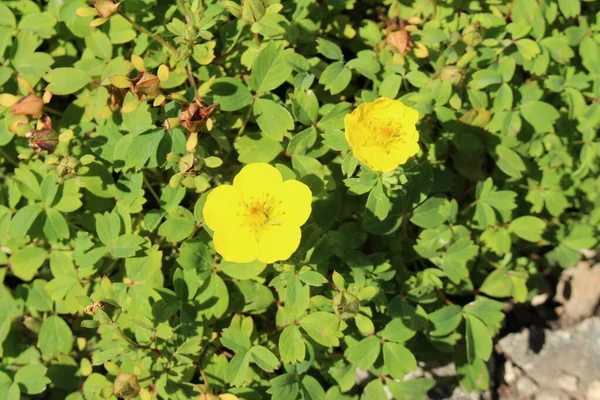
<point>259,216</point>
<point>383,134</point>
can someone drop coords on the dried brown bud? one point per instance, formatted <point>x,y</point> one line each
<point>126,386</point>
<point>44,138</point>
<point>399,41</point>
<point>105,8</point>
<point>194,116</point>
<point>29,106</point>
<point>453,74</point>
<point>146,86</point>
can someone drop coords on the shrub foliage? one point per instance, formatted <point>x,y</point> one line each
<point>117,119</point>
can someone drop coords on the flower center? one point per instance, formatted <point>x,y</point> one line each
<point>385,133</point>
<point>259,214</point>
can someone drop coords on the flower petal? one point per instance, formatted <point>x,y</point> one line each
<point>376,158</point>
<point>257,181</point>
<point>278,243</point>
<point>223,208</point>
<point>236,244</point>
<point>295,203</point>
<point>401,152</point>
<point>394,109</point>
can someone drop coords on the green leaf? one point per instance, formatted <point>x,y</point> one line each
<point>336,77</point>
<point>238,369</point>
<point>25,262</point>
<point>509,161</point>
<point>397,331</point>
<point>364,353</point>
<point>235,339</point>
<point>32,378</point>
<point>66,80</point>
<point>479,340</point>
<point>230,93</point>
<point>305,106</point>
<point>378,202</point>
<point>559,48</point>
<point>528,48</point>
<point>412,389</point>
<point>581,237</point>
<point>474,376</point>
<point>177,227</point>
<point>242,271</point>
<point>445,320</point>
<point>55,225</point>
<point>264,358</point>
<point>312,389</point>
<point>322,327</point>
<point>374,391</point>
<point>497,284</point>
<point>528,227</point>
<point>40,23</point>
<point>55,337</point>
<point>253,148</point>
<point>540,115</point>
<point>99,43</point>
<point>329,49</point>
<point>190,346</point>
<point>7,18</point>
<point>427,215</point>
<point>269,70</point>
<point>284,387</point>
<point>143,148</point>
<point>312,278</point>
<point>570,8</point>
<point>485,78</point>
<point>126,245</point>
<point>9,390</point>
<point>291,345</point>
<point>22,221</point>
<point>398,360</point>
<point>273,119</point>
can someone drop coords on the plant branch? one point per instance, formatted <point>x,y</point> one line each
<point>8,158</point>
<point>151,189</point>
<point>145,31</point>
<point>135,344</point>
<point>185,12</point>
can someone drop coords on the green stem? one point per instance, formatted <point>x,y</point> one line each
<point>151,189</point>
<point>145,31</point>
<point>246,118</point>
<point>135,344</point>
<point>8,158</point>
<point>185,12</point>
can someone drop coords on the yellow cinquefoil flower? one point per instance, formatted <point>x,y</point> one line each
<point>383,134</point>
<point>259,216</point>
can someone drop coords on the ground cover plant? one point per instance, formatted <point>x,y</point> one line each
<point>422,165</point>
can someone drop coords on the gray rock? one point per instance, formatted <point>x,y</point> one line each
<point>551,395</point>
<point>568,383</point>
<point>511,373</point>
<point>593,391</point>
<point>567,359</point>
<point>526,386</point>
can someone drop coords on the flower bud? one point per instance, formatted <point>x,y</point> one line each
<point>146,86</point>
<point>399,41</point>
<point>452,74</point>
<point>29,106</point>
<point>126,386</point>
<point>194,116</point>
<point>105,8</point>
